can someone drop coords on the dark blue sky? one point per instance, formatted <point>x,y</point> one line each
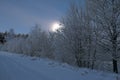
<point>21,15</point>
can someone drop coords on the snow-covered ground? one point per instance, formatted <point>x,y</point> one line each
<point>19,67</point>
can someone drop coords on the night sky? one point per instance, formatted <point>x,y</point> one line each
<point>22,15</point>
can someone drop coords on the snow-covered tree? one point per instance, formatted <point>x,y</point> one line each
<point>77,34</point>
<point>106,15</point>
<point>39,43</point>
<point>10,35</point>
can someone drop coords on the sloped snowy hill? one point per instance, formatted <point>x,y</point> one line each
<point>19,67</point>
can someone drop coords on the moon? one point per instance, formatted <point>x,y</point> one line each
<point>55,27</point>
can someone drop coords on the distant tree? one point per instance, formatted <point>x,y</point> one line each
<point>2,38</point>
<point>10,34</point>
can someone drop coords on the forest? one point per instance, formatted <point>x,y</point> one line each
<point>89,38</point>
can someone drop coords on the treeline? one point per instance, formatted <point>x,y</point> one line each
<point>9,36</point>
<point>6,36</point>
<point>90,37</point>
<point>36,43</point>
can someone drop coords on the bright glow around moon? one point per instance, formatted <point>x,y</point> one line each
<point>55,27</point>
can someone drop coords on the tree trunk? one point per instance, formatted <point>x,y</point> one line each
<point>115,68</point>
